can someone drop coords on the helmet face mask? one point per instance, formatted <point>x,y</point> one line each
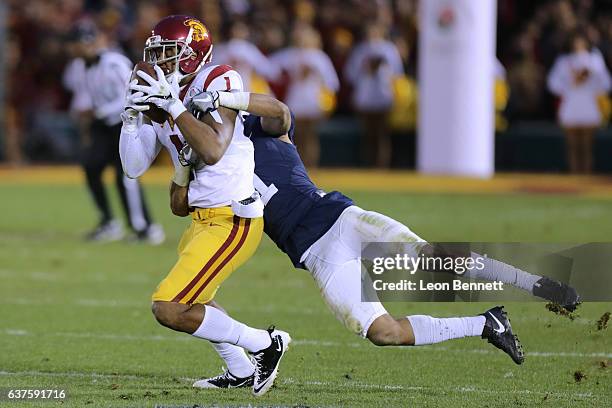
<point>167,54</point>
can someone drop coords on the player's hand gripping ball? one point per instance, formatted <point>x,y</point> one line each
<point>153,112</point>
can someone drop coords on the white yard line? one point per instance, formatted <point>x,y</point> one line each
<point>326,384</point>
<point>302,342</point>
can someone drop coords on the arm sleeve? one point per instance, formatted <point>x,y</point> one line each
<point>557,83</point>
<point>81,101</point>
<point>394,59</point>
<point>70,75</point>
<point>118,81</point>
<point>327,71</point>
<point>262,65</point>
<point>604,80</point>
<point>283,58</point>
<point>601,73</point>
<point>138,149</point>
<point>74,79</point>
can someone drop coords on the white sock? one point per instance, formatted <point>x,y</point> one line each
<point>495,270</point>
<point>236,360</point>
<point>431,330</point>
<point>220,328</point>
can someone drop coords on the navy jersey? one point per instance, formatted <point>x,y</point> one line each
<point>296,212</point>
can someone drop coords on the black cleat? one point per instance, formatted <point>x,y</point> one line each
<point>268,359</point>
<point>225,380</point>
<point>557,292</point>
<point>498,332</point>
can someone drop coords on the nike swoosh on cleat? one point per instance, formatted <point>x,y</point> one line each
<point>239,385</point>
<point>501,327</point>
<point>256,390</point>
<point>279,346</point>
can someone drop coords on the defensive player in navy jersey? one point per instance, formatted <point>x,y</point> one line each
<point>323,233</point>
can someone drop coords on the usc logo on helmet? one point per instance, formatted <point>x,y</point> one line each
<point>199,31</point>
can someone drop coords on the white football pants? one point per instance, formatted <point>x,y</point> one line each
<point>335,263</point>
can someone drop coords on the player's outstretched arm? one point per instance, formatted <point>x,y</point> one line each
<point>275,115</point>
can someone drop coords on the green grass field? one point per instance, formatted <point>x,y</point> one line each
<point>76,316</point>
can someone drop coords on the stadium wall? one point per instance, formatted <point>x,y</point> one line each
<point>525,146</point>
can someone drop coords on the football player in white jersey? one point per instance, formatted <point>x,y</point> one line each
<point>226,210</point>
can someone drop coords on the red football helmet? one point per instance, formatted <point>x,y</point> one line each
<point>180,41</point>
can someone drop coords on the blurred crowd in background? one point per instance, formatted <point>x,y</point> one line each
<point>337,35</point>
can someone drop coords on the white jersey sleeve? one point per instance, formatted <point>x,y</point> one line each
<point>559,80</point>
<point>393,58</point>
<point>74,79</point>
<point>118,69</point>
<point>284,58</point>
<point>81,101</point>
<point>261,64</point>
<point>601,75</point>
<point>74,75</point>
<point>138,150</point>
<point>326,70</point>
<point>217,78</point>
<point>229,80</point>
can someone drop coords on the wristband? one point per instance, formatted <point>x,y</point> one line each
<point>175,108</point>
<point>129,117</point>
<point>181,175</point>
<point>235,100</point>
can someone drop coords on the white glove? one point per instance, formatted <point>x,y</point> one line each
<point>187,158</point>
<point>204,103</point>
<point>160,92</point>
<point>134,101</point>
<point>185,155</point>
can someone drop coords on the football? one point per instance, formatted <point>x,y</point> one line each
<point>154,113</point>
